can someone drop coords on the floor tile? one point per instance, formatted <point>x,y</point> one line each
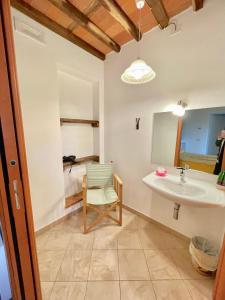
<point>72,224</point>
<point>200,289</point>
<point>46,288</point>
<point>130,221</point>
<point>103,290</point>
<point>41,240</point>
<point>75,266</point>
<point>68,291</point>
<point>49,264</point>
<point>129,239</point>
<point>137,290</point>
<point>161,265</point>
<point>104,265</point>
<point>151,238</point>
<point>171,290</point>
<point>57,241</point>
<point>132,265</point>
<point>79,241</point>
<point>106,238</point>
<point>182,259</point>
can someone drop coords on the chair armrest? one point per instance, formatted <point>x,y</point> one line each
<point>117,179</point>
<point>84,183</point>
<point>118,186</point>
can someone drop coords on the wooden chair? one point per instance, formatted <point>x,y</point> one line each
<point>102,192</point>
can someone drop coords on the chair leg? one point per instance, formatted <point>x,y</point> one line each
<point>85,217</point>
<point>120,213</point>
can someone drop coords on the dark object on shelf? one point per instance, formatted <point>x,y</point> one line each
<point>93,123</point>
<point>71,159</point>
<point>81,160</point>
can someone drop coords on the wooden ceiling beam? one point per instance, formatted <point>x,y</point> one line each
<point>197,4</point>
<point>39,17</point>
<point>76,15</point>
<point>91,8</point>
<point>117,13</point>
<point>159,12</point>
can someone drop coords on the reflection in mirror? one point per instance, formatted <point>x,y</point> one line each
<point>203,139</point>
<point>164,138</point>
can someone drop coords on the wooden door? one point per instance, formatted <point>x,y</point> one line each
<point>14,180</point>
<point>219,289</point>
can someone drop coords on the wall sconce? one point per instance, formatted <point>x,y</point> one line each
<point>137,123</point>
<point>179,109</point>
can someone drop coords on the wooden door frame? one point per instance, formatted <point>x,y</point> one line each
<point>10,65</point>
<point>178,145</point>
<point>178,142</point>
<point>8,240</point>
<point>219,288</point>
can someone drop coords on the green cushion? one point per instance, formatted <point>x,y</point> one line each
<point>101,196</point>
<point>99,175</point>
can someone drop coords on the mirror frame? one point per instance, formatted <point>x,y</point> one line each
<point>178,145</point>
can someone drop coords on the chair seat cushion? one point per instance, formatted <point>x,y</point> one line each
<point>101,196</point>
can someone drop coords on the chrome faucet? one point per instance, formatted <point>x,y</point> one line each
<point>183,173</point>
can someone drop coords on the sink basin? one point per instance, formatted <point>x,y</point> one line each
<point>194,192</point>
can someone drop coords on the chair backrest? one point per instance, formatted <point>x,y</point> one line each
<point>99,175</point>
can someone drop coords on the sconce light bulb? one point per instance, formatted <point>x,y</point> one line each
<point>179,109</point>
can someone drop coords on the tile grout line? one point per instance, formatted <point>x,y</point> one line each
<point>118,265</point>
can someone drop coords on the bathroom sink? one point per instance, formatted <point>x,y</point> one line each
<point>193,192</point>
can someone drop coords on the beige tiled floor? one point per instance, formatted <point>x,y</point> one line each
<point>137,261</point>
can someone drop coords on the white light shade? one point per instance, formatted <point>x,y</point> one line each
<point>179,110</point>
<point>140,4</point>
<point>138,72</point>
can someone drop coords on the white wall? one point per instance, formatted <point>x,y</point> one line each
<point>37,65</point>
<point>190,66</point>
<point>77,101</point>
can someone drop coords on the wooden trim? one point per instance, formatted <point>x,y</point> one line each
<point>8,239</point>
<point>91,8</point>
<point>39,17</point>
<point>59,221</point>
<point>72,200</point>
<point>159,12</point>
<point>160,225</point>
<point>93,123</point>
<point>178,142</point>
<point>223,163</point>
<point>197,4</point>
<point>118,14</point>
<point>81,160</point>
<point>77,16</point>
<point>22,162</point>
<point>219,287</point>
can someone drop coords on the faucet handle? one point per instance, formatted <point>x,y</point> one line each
<point>181,170</point>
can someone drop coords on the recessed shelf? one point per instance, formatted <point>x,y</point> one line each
<point>93,123</point>
<point>81,160</point>
<point>71,200</point>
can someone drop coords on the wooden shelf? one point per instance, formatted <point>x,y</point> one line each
<point>81,160</point>
<point>73,199</point>
<point>93,123</point>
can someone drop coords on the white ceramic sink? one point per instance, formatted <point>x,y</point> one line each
<point>194,192</point>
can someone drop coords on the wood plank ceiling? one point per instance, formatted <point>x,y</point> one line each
<point>102,26</point>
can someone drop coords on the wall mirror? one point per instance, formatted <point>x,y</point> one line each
<point>196,140</point>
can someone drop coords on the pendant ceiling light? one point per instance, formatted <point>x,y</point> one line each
<point>138,72</point>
